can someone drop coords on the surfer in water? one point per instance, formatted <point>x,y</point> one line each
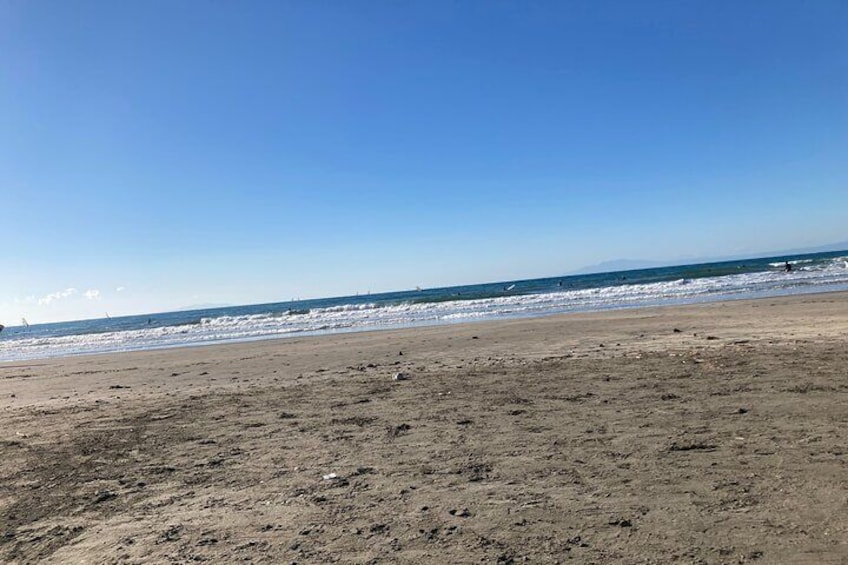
<point>788,267</point>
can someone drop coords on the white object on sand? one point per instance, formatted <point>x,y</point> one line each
<point>400,376</point>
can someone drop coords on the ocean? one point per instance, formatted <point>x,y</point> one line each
<point>685,284</point>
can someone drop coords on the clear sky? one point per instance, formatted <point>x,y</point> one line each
<point>157,154</point>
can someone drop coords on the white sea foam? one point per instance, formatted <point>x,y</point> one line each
<point>831,276</point>
<point>835,263</point>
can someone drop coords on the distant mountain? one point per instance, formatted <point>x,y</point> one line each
<point>619,265</point>
<point>204,306</point>
<point>633,264</point>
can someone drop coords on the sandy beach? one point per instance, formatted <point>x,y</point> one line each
<point>712,433</point>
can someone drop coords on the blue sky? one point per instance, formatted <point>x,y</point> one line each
<point>156,155</point>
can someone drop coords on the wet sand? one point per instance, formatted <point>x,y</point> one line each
<point>700,434</point>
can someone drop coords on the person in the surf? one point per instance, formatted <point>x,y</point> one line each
<point>787,267</point>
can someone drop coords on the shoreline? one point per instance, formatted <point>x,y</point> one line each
<point>596,326</point>
<point>706,433</point>
<point>505,319</point>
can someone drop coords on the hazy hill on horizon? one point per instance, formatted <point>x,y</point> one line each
<point>635,264</point>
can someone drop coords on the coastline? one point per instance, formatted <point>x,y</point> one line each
<point>600,437</point>
<point>647,288</point>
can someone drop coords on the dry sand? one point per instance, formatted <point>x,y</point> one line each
<point>700,434</point>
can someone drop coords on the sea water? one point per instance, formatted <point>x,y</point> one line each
<point>686,284</point>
